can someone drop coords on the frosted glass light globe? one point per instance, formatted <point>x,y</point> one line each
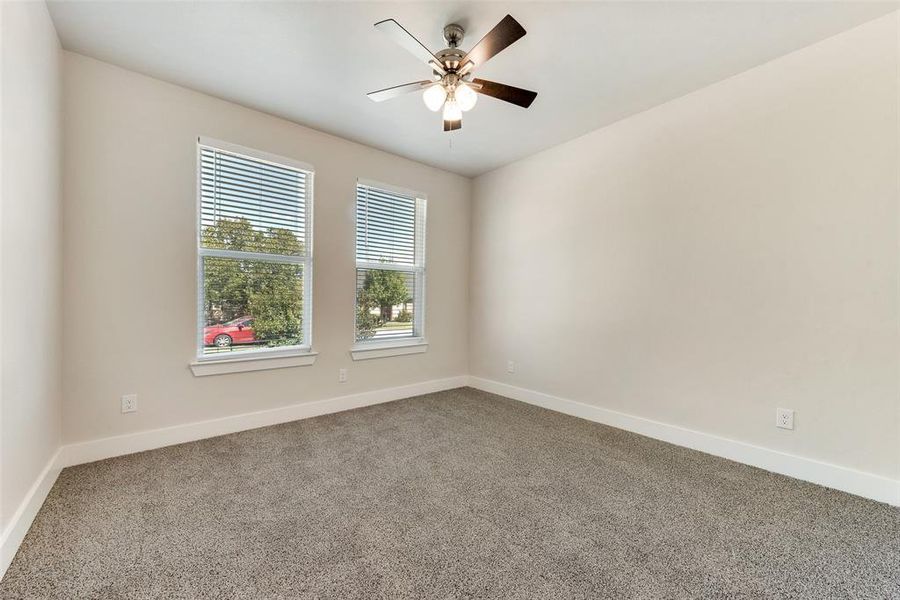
<point>465,97</point>
<point>452,111</point>
<point>434,97</point>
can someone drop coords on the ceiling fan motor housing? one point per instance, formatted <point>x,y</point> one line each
<point>450,58</point>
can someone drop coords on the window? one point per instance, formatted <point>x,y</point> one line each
<point>390,265</point>
<point>255,253</point>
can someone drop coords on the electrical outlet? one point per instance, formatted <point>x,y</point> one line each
<point>129,403</point>
<point>342,375</point>
<point>510,366</point>
<point>784,418</point>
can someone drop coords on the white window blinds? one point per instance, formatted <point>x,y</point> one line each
<point>386,227</point>
<point>270,197</point>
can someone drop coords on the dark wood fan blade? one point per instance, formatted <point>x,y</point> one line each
<point>503,35</point>
<point>404,38</point>
<point>504,92</point>
<point>397,90</point>
<point>452,125</point>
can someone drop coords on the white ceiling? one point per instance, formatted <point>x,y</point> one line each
<point>591,63</point>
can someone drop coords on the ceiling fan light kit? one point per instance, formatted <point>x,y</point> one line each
<point>465,97</point>
<point>453,86</point>
<point>434,97</point>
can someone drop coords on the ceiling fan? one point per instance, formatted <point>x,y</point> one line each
<point>454,87</point>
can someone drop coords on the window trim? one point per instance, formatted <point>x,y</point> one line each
<point>286,356</point>
<point>254,362</point>
<point>402,347</point>
<point>362,350</point>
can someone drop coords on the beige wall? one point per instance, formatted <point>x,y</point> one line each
<point>30,246</point>
<point>130,281</point>
<point>714,258</point>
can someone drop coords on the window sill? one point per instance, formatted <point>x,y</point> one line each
<point>256,362</point>
<point>370,350</point>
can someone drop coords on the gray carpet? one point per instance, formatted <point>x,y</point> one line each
<point>458,494</point>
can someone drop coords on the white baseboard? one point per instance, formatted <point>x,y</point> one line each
<point>12,536</point>
<point>868,485</point>
<point>860,483</point>
<point>84,452</point>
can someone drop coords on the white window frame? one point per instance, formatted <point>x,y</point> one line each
<point>367,349</point>
<point>262,358</point>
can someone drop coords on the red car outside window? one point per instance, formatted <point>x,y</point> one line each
<point>237,331</point>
